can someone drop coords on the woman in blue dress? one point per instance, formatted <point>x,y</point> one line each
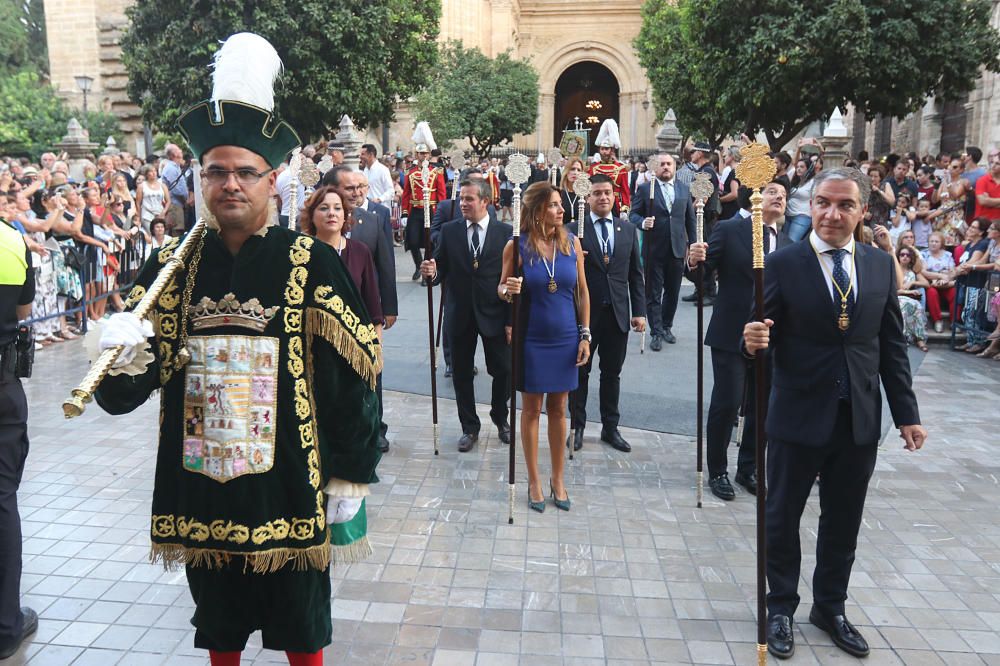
<point>554,336</point>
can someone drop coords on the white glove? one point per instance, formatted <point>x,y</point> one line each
<point>342,509</point>
<point>124,328</point>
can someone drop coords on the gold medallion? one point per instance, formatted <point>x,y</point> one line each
<point>475,264</point>
<point>607,260</point>
<point>552,285</point>
<point>843,321</point>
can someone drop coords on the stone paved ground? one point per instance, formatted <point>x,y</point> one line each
<point>634,574</point>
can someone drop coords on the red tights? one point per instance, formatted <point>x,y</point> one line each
<point>294,658</point>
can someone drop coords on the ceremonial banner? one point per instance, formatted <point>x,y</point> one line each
<point>574,144</point>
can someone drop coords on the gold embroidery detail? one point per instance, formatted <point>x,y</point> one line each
<point>192,528</point>
<point>317,557</point>
<point>229,532</point>
<point>163,526</point>
<point>293,320</point>
<point>167,250</point>
<point>276,530</point>
<point>303,528</point>
<point>295,291</point>
<point>295,364</point>
<point>306,435</point>
<point>134,296</point>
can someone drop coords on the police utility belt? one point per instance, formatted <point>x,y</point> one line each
<point>17,356</point>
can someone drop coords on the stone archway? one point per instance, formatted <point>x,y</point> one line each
<point>635,118</point>
<point>587,91</point>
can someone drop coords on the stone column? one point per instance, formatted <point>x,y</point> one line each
<point>545,129</point>
<point>835,139</point>
<point>668,139</point>
<point>351,140</point>
<point>929,142</point>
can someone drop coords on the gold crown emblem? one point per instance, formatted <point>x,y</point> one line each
<point>230,312</point>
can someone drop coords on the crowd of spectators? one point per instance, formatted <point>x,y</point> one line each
<point>89,236</point>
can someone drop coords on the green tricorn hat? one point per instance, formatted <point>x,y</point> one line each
<point>241,109</point>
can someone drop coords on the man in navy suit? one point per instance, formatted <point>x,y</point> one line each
<point>384,216</point>
<point>834,330</point>
<point>669,221</point>
<point>468,260</point>
<point>617,304</point>
<point>730,252</point>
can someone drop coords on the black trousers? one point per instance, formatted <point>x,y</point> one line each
<point>662,291</point>
<point>13,453</point>
<point>415,235</point>
<point>383,428</point>
<point>730,374</point>
<point>463,357</point>
<point>845,469</point>
<point>611,343</point>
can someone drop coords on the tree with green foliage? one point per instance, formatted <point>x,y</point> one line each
<point>777,66</point>
<point>357,57</point>
<point>485,100</point>
<point>22,36</point>
<point>33,117</point>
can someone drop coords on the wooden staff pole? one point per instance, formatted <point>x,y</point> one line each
<point>518,172</point>
<point>701,189</point>
<point>756,170</point>
<point>428,177</point>
<point>581,186</point>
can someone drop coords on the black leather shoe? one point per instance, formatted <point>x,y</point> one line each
<point>721,487</point>
<point>668,337</point>
<point>748,481</point>
<point>447,371</point>
<point>383,444</point>
<point>575,439</point>
<point>416,275</point>
<point>467,441</point>
<point>30,627</point>
<point>503,432</point>
<point>709,301</point>
<point>615,439</point>
<point>475,371</point>
<point>780,639</point>
<point>690,298</point>
<point>843,633</point>
<point>655,343</point>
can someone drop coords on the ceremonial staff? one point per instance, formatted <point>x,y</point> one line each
<point>518,171</point>
<point>581,186</point>
<point>553,155</point>
<point>426,175</point>
<point>457,160</point>
<point>651,166</point>
<point>754,171</point>
<point>701,189</point>
<point>303,170</point>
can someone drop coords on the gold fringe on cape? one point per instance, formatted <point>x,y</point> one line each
<point>319,557</point>
<point>328,327</point>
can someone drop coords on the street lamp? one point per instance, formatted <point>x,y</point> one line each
<point>84,83</point>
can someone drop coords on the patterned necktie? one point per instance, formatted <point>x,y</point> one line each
<point>844,283</point>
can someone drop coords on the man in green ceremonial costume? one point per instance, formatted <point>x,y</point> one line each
<point>267,362</point>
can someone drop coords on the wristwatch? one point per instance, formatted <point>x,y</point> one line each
<point>584,334</point>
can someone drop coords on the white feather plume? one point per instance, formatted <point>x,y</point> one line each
<point>608,135</point>
<point>422,135</point>
<point>246,68</point>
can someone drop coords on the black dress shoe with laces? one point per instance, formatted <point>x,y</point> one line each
<point>29,627</point>
<point>467,441</point>
<point>668,337</point>
<point>503,432</point>
<point>780,639</point>
<point>843,633</point>
<point>615,439</point>
<point>656,344</point>
<point>748,481</point>
<point>721,487</point>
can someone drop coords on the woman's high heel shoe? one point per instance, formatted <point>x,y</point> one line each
<point>560,503</point>
<point>536,506</point>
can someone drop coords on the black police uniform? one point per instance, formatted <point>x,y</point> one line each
<point>17,287</point>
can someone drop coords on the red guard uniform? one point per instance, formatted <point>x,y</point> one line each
<point>618,173</point>
<point>413,206</point>
<point>494,186</point>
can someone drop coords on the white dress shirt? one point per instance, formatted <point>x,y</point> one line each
<point>482,224</point>
<point>600,236</point>
<point>380,186</point>
<point>826,265</point>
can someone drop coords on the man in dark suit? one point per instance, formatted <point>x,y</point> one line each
<point>468,259</point>
<point>730,252</point>
<point>617,303</point>
<point>669,221</point>
<point>833,325</point>
<point>380,211</point>
<point>367,229</point>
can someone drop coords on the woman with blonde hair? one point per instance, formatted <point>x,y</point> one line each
<point>569,198</point>
<point>554,339</point>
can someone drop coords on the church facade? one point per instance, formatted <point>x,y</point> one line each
<point>582,50</point>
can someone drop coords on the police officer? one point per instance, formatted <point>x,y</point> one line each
<point>17,290</point>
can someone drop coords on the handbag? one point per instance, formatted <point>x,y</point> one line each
<point>74,257</point>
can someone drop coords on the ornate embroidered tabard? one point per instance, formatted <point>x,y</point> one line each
<point>230,405</point>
